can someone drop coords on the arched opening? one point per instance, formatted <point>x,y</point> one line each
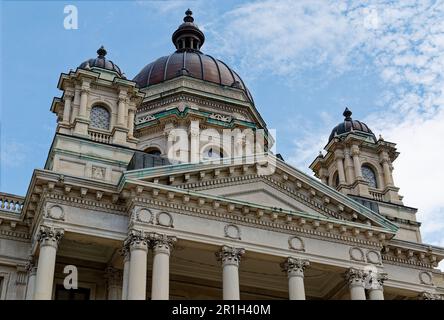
<point>335,179</point>
<point>369,175</point>
<point>213,153</point>
<point>153,151</point>
<point>100,117</point>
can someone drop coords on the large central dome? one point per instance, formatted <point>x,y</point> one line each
<point>188,60</point>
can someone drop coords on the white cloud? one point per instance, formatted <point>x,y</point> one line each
<point>12,154</point>
<point>403,41</point>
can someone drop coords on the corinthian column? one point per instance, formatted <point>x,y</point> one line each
<point>114,281</point>
<point>83,100</point>
<point>356,162</point>
<point>385,161</point>
<point>162,245</point>
<point>339,156</point>
<point>32,272</point>
<point>49,239</point>
<point>138,244</point>
<point>295,271</point>
<point>230,258</point>
<point>67,106</point>
<point>376,290</point>
<point>126,267</point>
<point>121,111</point>
<point>356,283</point>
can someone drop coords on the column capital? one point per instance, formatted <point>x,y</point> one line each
<point>430,296</point>
<point>137,239</point>
<point>355,277</point>
<point>339,154</point>
<point>230,255</point>
<point>31,267</point>
<point>294,266</point>
<point>354,150</point>
<point>162,243</point>
<point>376,280</point>
<point>68,95</point>
<point>125,251</point>
<point>113,276</point>
<point>49,236</point>
<point>85,90</point>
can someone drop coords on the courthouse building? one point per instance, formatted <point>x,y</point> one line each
<point>135,217</point>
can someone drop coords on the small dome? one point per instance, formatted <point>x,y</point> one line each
<point>188,60</point>
<point>349,125</point>
<point>101,62</point>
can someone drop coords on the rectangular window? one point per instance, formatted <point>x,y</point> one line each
<point>73,294</point>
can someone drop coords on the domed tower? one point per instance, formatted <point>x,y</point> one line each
<point>359,165</point>
<point>189,91</point>
<point>95,116</point>
<point>98,102</point>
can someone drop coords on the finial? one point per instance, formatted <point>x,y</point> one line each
<point>101,52</point>
<point>320,154</point>
<point>347,114</point>
<point>189,16</point>
<point>381,138</point>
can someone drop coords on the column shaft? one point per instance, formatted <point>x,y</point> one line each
<point>160,289</point>
<point>341,174</point>
<point>376,294</point>
<point>387,174</point>
<point>131,123</point>
<point>31,283</point>
<point>83,103</point>
<point>125,280</point>
<point>67,108</point>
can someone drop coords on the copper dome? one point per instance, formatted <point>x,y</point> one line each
<point>349,125</point>
<point>188,60</point>
<point>101,62</point>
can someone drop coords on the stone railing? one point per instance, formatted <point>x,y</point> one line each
<point>99,136</point>
<point>376,195</point>
<point>10,203</point>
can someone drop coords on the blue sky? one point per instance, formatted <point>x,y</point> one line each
<point>303,61</point>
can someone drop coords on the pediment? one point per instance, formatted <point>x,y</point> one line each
<point>259,192</point>
<point>286,188</point>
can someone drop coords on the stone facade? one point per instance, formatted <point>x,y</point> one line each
<point>195,229</point>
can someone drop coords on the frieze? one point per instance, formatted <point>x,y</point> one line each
<point>204,102</point>
<point>232,231</point>
<point>425,278</point>
<point>87,203</point>
<point>296,243</point>
<point>248,221</point>
<point>165,219</point>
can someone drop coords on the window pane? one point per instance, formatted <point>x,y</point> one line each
<point>100,118</point>
<point>369,176</point>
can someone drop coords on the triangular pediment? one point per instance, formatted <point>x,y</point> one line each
<point>286,188</point>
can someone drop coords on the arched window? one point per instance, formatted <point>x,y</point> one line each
<point>100,117</point>
<point>213,153</point>
<point>336,179</point>
<point>369,175</point>
<point>153,151</point>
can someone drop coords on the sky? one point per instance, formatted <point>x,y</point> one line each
<point>304,62</point>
